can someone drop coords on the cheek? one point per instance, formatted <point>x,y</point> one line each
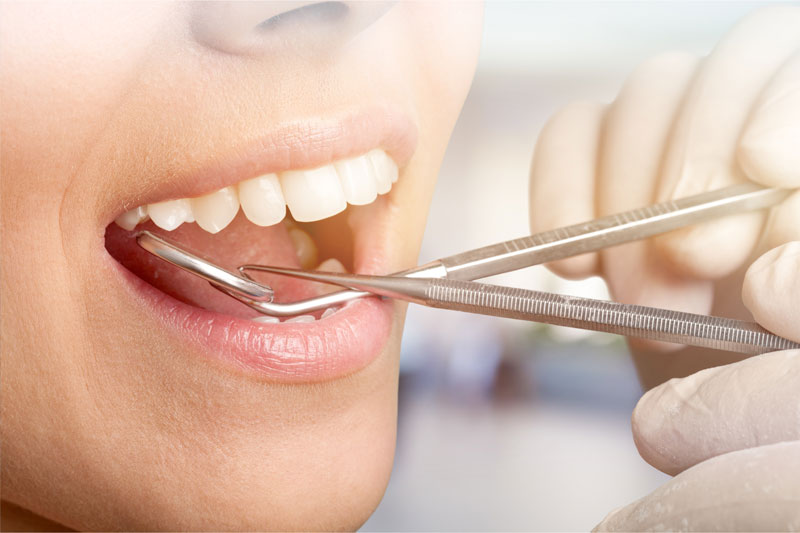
<point>446,39</point>
<point>435,65</point>
<point>65,66</point>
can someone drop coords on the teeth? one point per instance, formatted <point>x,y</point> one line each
<point>170,214</point>
<point>385,170</point>
<point>130,219</point>
<point>304,247</point>
<point>311,195</point>
<point>215,211</point>
<point>332,265</point>
<point>264,319</point>
<point>301,319</point>
<point>262,200</point>
<point>358,179</point>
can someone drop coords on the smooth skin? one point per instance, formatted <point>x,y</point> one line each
<point>109,424</point>
<point>683,125</point>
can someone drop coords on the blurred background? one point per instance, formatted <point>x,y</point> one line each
<point>505,425</point>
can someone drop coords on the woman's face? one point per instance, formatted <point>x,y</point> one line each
<point>136,397</point>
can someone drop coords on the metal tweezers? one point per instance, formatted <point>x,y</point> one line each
<point>446,283</point>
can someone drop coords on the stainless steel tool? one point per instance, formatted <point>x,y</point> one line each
<point>558,309</point>
<point>527,251</point>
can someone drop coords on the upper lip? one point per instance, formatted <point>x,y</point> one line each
<point>297,144</point>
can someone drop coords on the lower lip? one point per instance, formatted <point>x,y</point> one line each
<point>326,349</point>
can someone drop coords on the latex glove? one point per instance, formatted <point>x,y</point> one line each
<point>680,126</point>
<point>739,424</point>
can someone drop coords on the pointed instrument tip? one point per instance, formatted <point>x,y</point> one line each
<point>412,289</point>
<point>332,278</point>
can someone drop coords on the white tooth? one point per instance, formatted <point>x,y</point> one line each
<point>313,194</point>
<point>130,219</point>
<point>332,265</point>
<point>264,319</point>
<point>328,312</point>
<point>304,247</point>
<point>385,170</point>
<point>215,211</point>
<point>301,319</point>
<point>357,176</point>
<point>170,214</point>
<point>262,200</point>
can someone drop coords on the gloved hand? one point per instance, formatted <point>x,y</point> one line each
<point>680,126</point>
<point>731,433</point>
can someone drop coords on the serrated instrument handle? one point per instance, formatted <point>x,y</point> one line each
<point>600,315</point>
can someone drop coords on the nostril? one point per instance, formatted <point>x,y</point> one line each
<point>264,28</point>
<point>319,13</point>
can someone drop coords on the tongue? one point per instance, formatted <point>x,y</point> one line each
<point>240,243</point>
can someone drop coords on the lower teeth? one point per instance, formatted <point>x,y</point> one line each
<point>302,319</point>
<point>264,319</point>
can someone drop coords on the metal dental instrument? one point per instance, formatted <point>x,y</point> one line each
<point>242,288</point>
<point>509,302</point>
<point>498,258</point>
<point>502,257</point>
<point>561,310</point>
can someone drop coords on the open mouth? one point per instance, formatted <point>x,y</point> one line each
<point>331,216</point>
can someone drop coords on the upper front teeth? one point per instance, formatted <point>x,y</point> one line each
<point>311,195</point>
<point>216,210</point>
<point>262,200</point>
<point>358,183</point>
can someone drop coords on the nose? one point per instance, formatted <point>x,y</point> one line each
<point>254,28</point>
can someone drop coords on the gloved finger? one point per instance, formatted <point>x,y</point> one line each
<point>749,490</point>
<point>702,152</point>
<point>562,185</point>
<point>771,291</point>
<point>783,224</point>
<point>769,150</point>
<point>635,132</point>
<point>718,410</point>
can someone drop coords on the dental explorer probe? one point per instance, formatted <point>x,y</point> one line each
<point>561,310</point>
<point>498,258</point>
